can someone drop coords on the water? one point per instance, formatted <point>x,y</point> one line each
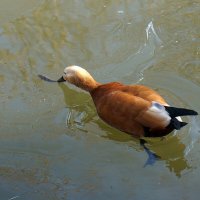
<point>52,144</point>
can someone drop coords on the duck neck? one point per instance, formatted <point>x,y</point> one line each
<point>87,84</point>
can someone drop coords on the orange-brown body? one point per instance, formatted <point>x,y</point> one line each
<point>134,109</point>
<point>124,106</point>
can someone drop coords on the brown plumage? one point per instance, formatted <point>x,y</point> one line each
<point>124,107</point>
<point>134,109</point>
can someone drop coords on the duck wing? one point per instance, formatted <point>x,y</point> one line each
<point>137,109</point>
<point>128,112</point>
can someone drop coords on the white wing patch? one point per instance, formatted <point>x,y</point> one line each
<point>161,107</point>
<point>156,116</point>
<point>159,110</point>
<point>157,107</point>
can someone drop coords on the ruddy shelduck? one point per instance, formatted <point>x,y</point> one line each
<point>135,109</point>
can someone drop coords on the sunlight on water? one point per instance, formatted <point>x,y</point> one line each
<point>53,145</point>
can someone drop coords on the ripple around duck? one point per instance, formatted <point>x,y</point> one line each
<point>150,42</point>
<point>179,86</point>
<point>180,92</point>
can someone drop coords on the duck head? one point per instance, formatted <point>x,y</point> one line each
<point>79,77</point>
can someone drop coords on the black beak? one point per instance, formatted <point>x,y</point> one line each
<point>61,80</point>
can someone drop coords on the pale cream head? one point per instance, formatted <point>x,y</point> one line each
<point>80,77</point>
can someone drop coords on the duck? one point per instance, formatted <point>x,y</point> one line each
<point>134,109</point>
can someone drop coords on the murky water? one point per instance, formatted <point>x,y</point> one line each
<point>52,144</point>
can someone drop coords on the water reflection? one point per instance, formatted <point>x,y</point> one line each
<point>81,111</point>
<point>150,42</point>
<point>171,151</point>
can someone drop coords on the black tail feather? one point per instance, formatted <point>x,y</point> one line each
<point>175,112</point>
<point>176,124</point>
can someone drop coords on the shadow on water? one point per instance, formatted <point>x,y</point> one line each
<point>151,42</point>
<point>170,149</point>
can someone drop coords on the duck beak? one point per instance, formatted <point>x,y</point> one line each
<point>61,80</point>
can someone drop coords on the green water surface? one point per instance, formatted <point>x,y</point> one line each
<point>53,145</point>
